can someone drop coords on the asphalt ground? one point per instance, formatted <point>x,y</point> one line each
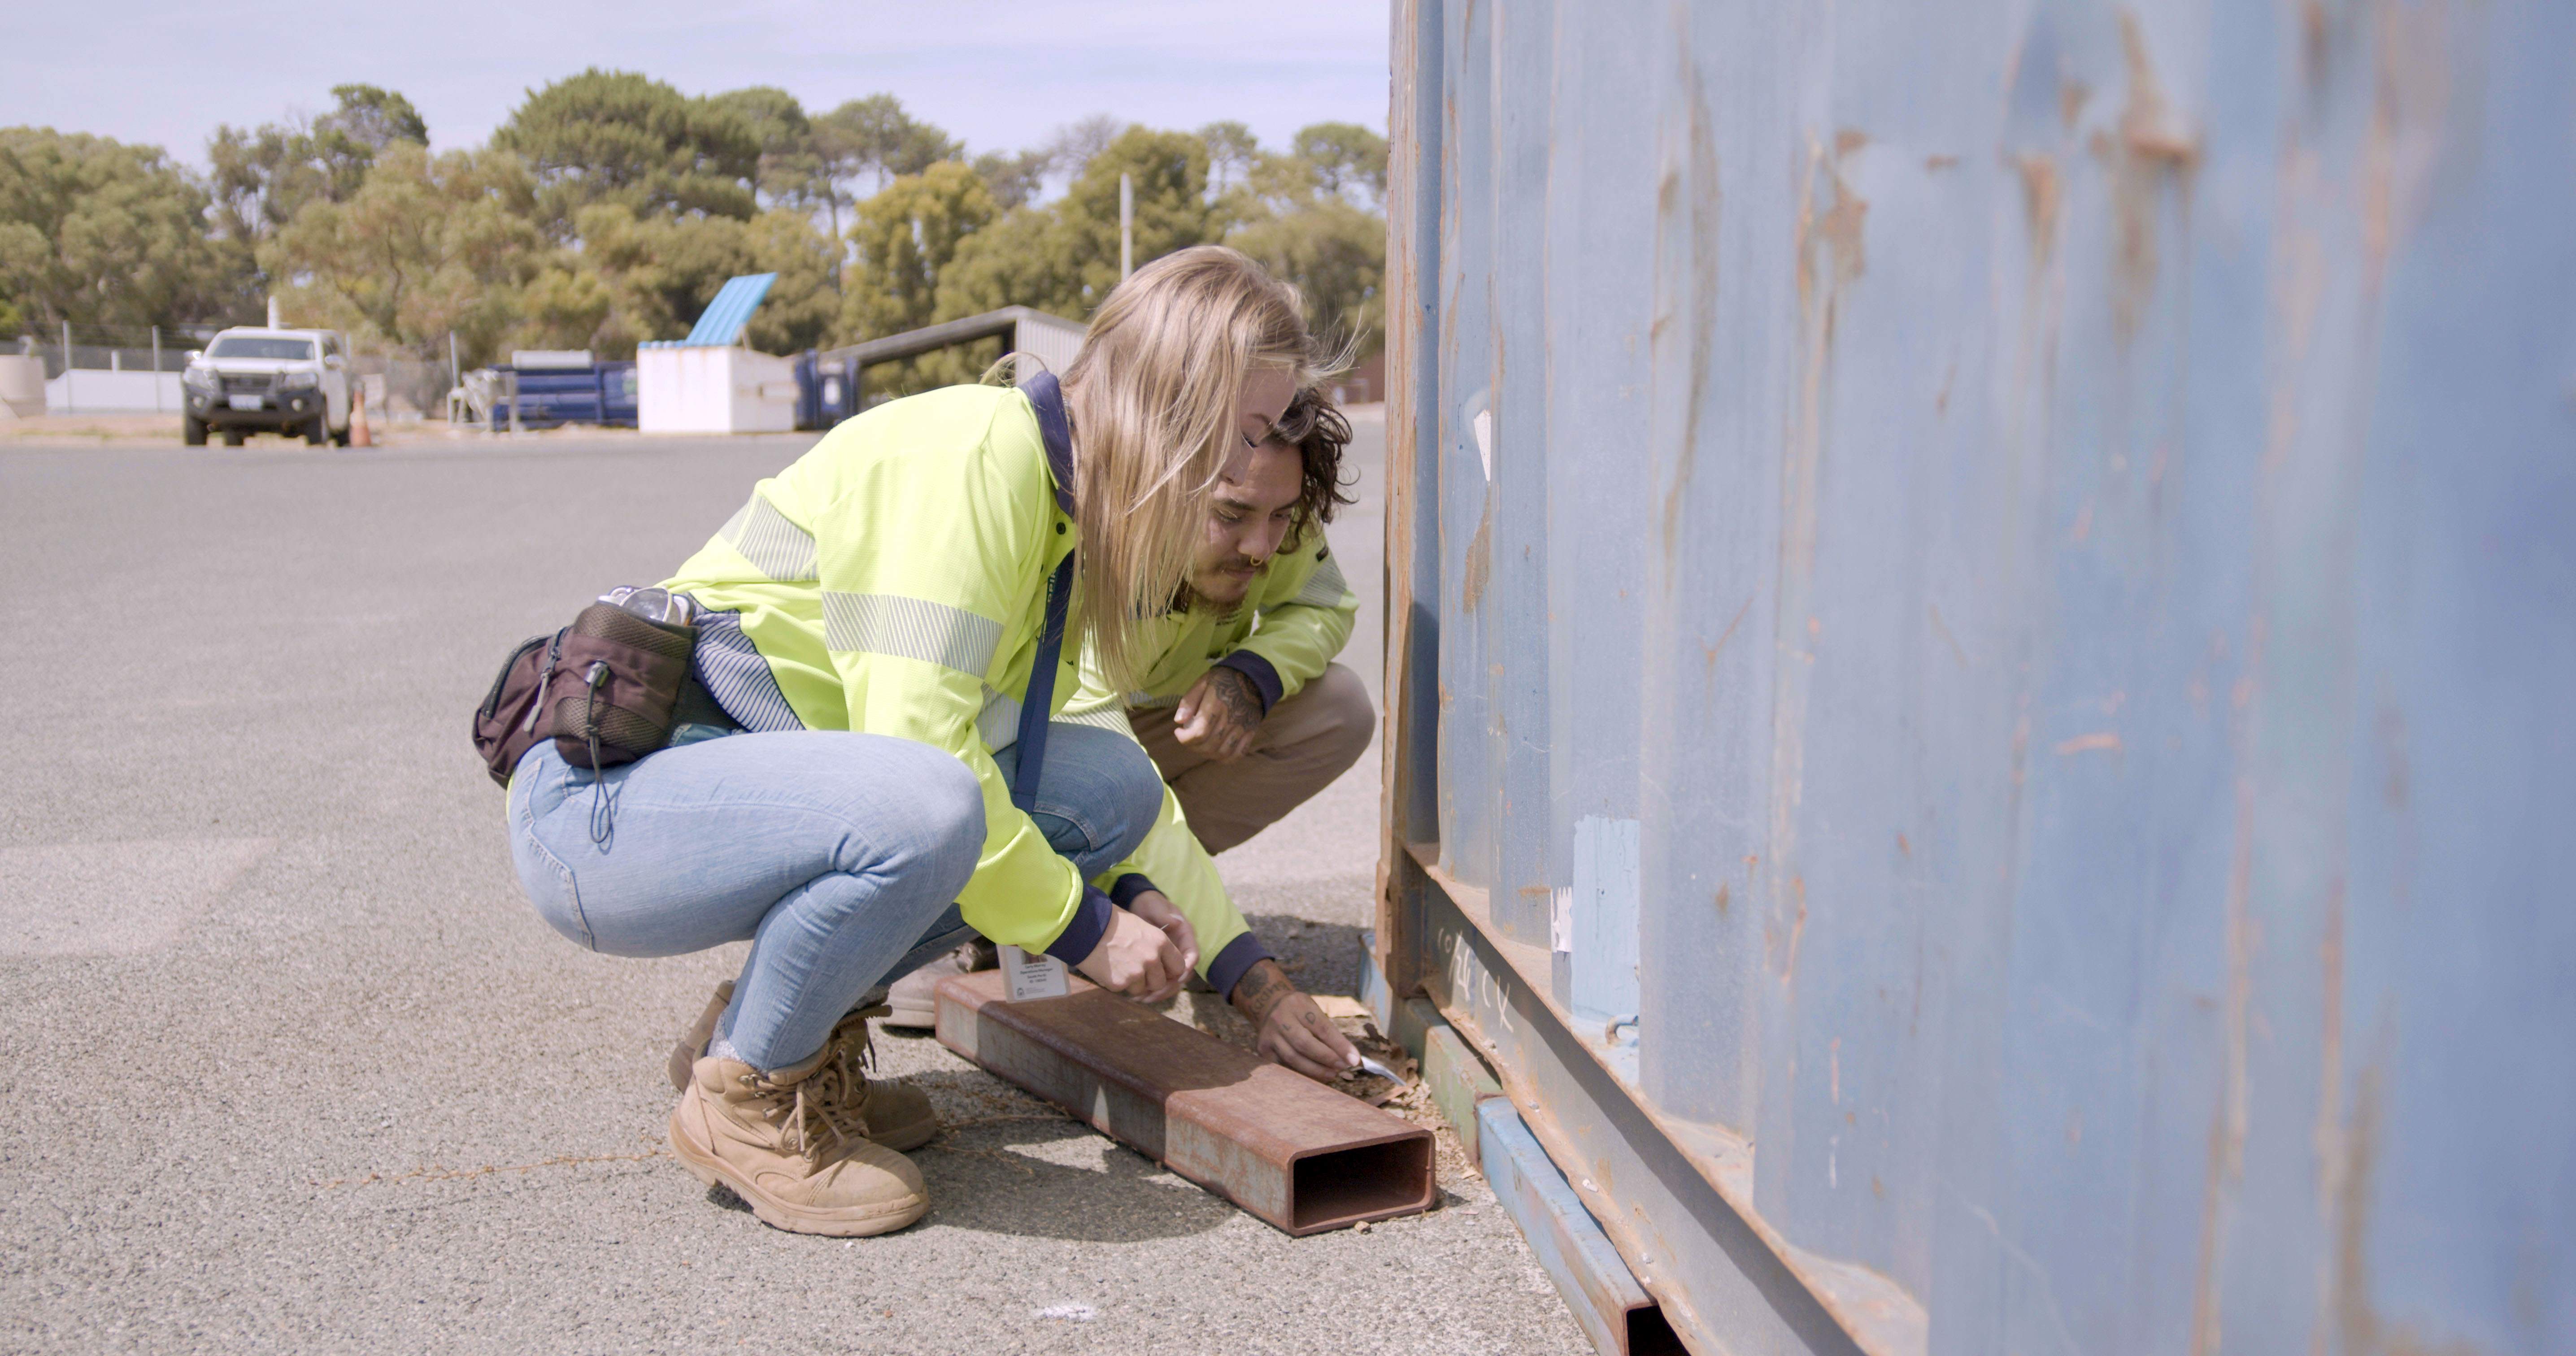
<point>291,1065</point>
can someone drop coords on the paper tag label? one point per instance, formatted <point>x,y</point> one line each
<point>1038,976</point>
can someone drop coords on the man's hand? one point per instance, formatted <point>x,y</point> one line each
<point>1155,908</point>
<point>1220,715</point>
<point>1294,1032</point>
<point>1135,958</point>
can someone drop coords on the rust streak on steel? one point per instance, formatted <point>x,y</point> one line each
<point>1291,1151</point>
<point>1399,886</point>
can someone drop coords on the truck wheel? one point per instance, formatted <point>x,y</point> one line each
<point>192,431</point>
<point>232,437</point>
<point>317,431</point>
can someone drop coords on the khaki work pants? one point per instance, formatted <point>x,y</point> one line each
<point>1304,743</point>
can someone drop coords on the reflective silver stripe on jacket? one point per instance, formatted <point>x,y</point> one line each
<point>1105,718</point>
<point>998,724</point>
<point>774,546</point>
<point>1324,588</point>
<point>910,628</point>
<point>733,672</point>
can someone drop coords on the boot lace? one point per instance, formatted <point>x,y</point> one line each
<point>827,1109</point>
<point>854,1029</point>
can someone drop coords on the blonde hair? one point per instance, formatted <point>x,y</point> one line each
<point>1152,395</point>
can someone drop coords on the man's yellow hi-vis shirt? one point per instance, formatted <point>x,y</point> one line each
<point>1296,616</point>
<point>894,580</point>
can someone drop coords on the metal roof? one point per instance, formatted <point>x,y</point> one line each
<point>725,316</point>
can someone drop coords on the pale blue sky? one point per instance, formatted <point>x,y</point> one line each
<point>1001,76</point>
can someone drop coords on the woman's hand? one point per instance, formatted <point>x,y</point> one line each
<point>1155,908</point>
<point>1135,958</point>
<point>1293,1031</point>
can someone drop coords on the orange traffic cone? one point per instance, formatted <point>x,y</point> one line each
<point>358,436</point>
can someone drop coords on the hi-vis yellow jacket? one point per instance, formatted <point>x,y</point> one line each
<point>894,579</point>
<point>1293,620</point>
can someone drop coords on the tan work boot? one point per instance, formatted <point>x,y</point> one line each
<point>898,1115</point>
<point>693,1042</point>
<point>790,1143</point>
<point>914,997</point>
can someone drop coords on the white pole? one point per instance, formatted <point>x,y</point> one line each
<point>1126,226</point>
<point>68,406</point>
<point>272,312</point>
<point>156,369</point>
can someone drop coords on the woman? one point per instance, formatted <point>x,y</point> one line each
<point>868,626</point>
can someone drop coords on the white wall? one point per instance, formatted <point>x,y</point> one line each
<point>22,386</point>
<point>88,391</point>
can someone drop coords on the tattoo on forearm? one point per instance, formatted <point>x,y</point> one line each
<point>1260,990</point>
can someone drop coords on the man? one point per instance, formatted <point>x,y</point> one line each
<point>1244,713</point>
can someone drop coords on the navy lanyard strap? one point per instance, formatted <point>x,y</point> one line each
<point>1039,697</point>
<point>1037,700</point>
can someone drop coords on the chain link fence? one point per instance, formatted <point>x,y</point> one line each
<point>398,386</point>
<point>107,348</point>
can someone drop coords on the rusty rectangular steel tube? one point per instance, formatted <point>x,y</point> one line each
<point>1296,1154</point>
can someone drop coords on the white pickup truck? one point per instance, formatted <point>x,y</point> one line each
<point>255,380</point>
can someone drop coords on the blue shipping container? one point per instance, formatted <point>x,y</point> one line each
<point>602,394</point>
<point>1983,606</point>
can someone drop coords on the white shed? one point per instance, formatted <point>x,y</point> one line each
<point>710,383</point>
<point>713,390</point>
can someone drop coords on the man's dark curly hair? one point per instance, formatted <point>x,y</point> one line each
<point>1319,433</point>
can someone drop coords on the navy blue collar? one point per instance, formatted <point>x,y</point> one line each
<point>1047,398</point>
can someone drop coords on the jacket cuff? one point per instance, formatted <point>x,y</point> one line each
<point>1123,891</point>
<point>1090,923</point>
<point>1265,678</point>
<point>1227,969</point>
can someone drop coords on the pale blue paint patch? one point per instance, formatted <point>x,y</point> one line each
<point>1602,922</point>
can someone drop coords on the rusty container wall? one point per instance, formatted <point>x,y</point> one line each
<point>1982,658</point>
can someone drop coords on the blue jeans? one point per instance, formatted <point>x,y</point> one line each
<point>838,856</point>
